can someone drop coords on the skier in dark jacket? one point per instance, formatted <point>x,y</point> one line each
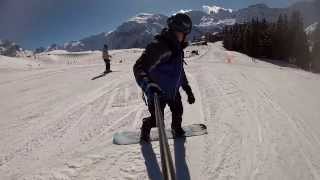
<point>106,57</point>
<point>160,70</point>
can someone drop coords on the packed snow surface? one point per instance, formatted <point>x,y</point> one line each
<point>56,123</point>
<point>13,63</point>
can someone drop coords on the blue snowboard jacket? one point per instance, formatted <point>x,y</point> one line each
<point>162,63</point>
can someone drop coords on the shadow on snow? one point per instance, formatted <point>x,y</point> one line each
<point>153,169</point>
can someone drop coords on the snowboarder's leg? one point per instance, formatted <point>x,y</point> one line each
<point>176,108</point>
<point>107,63</point>
<point>108,66</point>
<point>149,122</point>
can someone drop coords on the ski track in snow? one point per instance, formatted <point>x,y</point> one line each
<point>56,123</point>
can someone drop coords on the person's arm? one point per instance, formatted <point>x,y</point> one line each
<point>105,54</point>
<point>150,58</point>
<point>187,88</point>
<point>185,83</point>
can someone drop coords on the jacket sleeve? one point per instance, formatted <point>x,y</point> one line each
<point>185,83</point>
<point>149,59</point>
<point>105,54</point>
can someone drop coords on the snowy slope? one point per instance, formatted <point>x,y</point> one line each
<point>13,63</point>
<point>263,121</point>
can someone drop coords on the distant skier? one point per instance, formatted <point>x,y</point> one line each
<point>160,70</point>
<point>106,57</point>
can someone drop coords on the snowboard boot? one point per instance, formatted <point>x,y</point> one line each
<point>176,128</point>
<point>145,131</point>
<point>107,71</point>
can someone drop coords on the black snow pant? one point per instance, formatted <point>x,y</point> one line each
<point>107,62</point>
<point>176,111</point>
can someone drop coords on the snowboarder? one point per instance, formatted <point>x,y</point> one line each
<point>106,57</point>
<point>160,70</point>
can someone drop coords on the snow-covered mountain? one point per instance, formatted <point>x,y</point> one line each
<point>12,49</point>
<point>74,46</point>
<point>39,50</point>
<point>215,9</point>
<point>138,31</point>
<point>53,47</point>
<point>310,29</point>
<point>9,48</point>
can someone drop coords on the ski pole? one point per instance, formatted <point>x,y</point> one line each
<point>166,159</point>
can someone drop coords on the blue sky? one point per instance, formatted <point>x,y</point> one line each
<point>35,23</point>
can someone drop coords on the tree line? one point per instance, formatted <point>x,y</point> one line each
<point>315,51</point>
<point>283,40</point>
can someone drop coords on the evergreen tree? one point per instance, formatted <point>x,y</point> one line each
<point>300,48</point>
<point>282,40</point>
<point>278,38</point>
<point>316,50</point>
<point>286,38</point>
<point>255,38</point>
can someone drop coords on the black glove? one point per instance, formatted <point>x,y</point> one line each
<point>191,98</point>
<point>188,90</point>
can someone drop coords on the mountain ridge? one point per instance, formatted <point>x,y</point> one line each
<point>139,30</point>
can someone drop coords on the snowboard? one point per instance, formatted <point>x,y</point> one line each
<point>133,137</point>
